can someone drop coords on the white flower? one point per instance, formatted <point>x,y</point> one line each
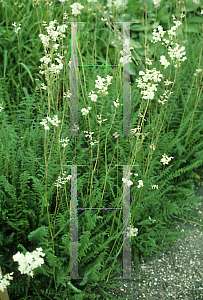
<point>1,107</point>
<point>152,146</point>
<point>46,59</point>
<point>45,40</point>
<point>150,87</point>
<point>4,282</point>
<point>140,183</point>
<point>129,182</point>
<point>116,103</point>
<point>55,46</point>
<point>30,261</point>
<point>99,117</point>
<point>54,122</point>
<point>55,69</point>
<point>197,71</point>
<point>62,180</point>
<point>166,159</point>
<point>43,87</point>
<point>176,53</point>
<point>100,84</point>
<point>90,136</point>
<point>125,59</point>
<point>85,111</point>
<point>155,187</point>
<point>76,8</point>
<point>108,79</point>
<point>93,96</point>
<point>164,61</point>
<point>164,94</point>
<point>115,135</point>
<point>148,61</point>
<point>16,29</point>
<point>44,122</point>
<point>156,2</point>
<point>143,82</point>
<point>132,231</point>
<point>67,95</point>
<point>167,82</point>
<point>65,141</point>
<point>157,35</point>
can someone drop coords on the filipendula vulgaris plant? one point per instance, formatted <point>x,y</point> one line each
<point>148,83</point>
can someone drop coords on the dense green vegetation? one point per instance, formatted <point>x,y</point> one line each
<point>167,119</point>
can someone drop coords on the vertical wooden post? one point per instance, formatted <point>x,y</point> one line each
<point>4,294</point>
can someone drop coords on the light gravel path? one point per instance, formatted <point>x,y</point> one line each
<point>175,274</point>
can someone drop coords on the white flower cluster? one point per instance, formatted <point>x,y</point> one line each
<point>99,83</point>
<point>100,121</point>
<point>197,71</point>
<point>164,61</point>
<point>54,122</point>
<point>153,220</point>
<point>176,53</point>
<point>62,180</point>
<point>1,107</point>
<point>67,94</point>
<point>156,3</point>
<point>155,76</point>
<point>155,186</point>
<point>164,95</point>
<point>102,86</point>
<point>4,282</point>
<point>90,136</point>
<point>76,9</point>
<point>16,28</point>
<point>143,82</point>
<point>132,231</point>
<point>166,159</point>
<point>53,35</point>
<point>157,35</point>
<point>29,261</point>
<point>85,111</point>
<point>129,182</point>
<point>65,141</point>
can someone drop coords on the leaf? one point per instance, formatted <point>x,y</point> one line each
<point>191,28</point>
<point>26,68</point>
<point>74,288</point>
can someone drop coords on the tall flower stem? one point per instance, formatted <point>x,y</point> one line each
<point>28,280</point>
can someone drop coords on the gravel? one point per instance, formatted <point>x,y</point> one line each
<point>176,273</point>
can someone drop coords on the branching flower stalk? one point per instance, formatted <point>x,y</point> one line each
<point>16,31</point>
<point>51,73</point>
<point>176,55</point>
